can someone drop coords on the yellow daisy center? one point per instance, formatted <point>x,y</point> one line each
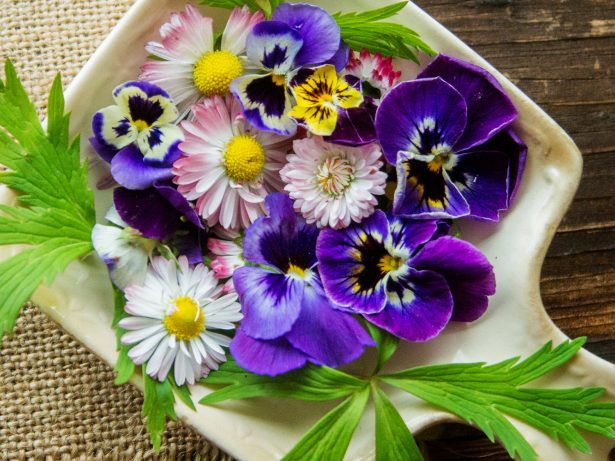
<point>187,321</point>
<point>215,71</point>
<point>244,158</point>
<point>140,125</point>
<point>389,263</point>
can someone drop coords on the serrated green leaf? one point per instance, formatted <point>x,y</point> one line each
<point>394,442</point>
<point>481,394</point>
<point>158,405</point>
<point>330,436</point>
<point>386,344</point>
<point>266,6</point>
<point>183,392</point>
<point>310,383</point>
<point>55,212</point>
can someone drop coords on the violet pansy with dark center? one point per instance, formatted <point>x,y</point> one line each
<point>403,275</point>
<point>442,131</point>
<point>137,135</point>
<point>288,319</point>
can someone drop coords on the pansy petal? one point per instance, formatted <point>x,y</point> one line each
<point>467,271</point>
<point>270,301</point>
<point>147,211</point>
<point>319,120</point>
<point>348,263</point>
<point>482,179</point>
<point>169,192</point>
<point>418,308</point>
<point>355,127</point>
<point>265,102</point>
<point>330,337</point>
<point>160,144</point>
<point>129,170</point>
<point>340,58</point>
<point>105,151</point>
<point>319,31</point>
<point>420,116</point>
<point>274,45</point>
<point>424,193</point>
<point>489,108</point>
<point>272,357</point>
<point>112,128</point>
<point>411,233</point>
<point>124,92</point>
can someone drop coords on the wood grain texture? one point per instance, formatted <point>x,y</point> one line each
<point>562,54</point>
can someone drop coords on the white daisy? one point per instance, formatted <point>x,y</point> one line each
<point>228,166</point>
<point>333,185</point>
<point>173,313</point>
<point>190,67</point>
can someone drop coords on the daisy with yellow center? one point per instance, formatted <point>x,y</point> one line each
<point>320,93</point>
<point>176,317</point>
<point>227,166</point>
<point>189,67</point>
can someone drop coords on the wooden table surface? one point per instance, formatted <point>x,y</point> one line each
<point>562,54</point>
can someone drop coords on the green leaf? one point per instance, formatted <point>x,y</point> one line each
<point>330,436</point>
<point>183,392</point>
<point>266,6</point>
<point>310,383</point>
<point>386,344</point>
<point>55,211</point>
<point>124,366</point>
<point>365,30</point>
<point>158,405</point>
<point>394,442</point>
<point>481,394</point>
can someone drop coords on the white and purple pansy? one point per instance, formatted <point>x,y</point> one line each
<point>403,275</point>
<point>298,35</point>
<point>288,320</point>
<point>137,135</point>
<point>448,132</point>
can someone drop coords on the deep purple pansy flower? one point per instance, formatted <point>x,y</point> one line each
<point>298,35</point>
<point>137,135</point>
<point>403,275</point>
<point>449,134</point>
<point>288,319</point>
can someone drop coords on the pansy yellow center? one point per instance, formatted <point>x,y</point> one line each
<point>140,125</point>
<point>279,80</point>
<point>187,320</point>
<point>295,271</point>
<point>335,175</point>
<point>244,158</point>
<point>389,263</point>
<point>215,71</point>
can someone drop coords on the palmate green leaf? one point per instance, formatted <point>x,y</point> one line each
<point>482,394</point>
<point>330,436</point>
<point>386,344</point>
<point>158,405</point>
<point>366,30</point>
<point>310,383</point>
<point>55,213</point>
<point>394,442</point>
<point>266,6</point>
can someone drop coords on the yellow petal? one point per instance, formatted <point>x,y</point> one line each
<point>320,120</point>
<point>346,96</point>
<point>318,87</point>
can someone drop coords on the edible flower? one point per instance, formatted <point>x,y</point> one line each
<point>373,69</point>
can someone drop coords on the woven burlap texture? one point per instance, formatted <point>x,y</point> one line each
<point>57,400</point>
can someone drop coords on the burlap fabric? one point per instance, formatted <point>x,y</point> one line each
<point>57,400</point>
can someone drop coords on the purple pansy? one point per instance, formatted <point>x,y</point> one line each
<point>403,275</point>
<point>449,134</point>
<point>137,135</point>
<point>288,319</point>
<point>297,35</point>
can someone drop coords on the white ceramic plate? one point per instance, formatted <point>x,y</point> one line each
<point>515,324</point>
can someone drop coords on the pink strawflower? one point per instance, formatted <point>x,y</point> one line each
<point>227,165</point>
<point>333,185</point>
<point>191,68</point>
<point>374,69</point>
<point>226,256</point>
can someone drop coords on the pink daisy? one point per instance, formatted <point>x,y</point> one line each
<point>374,69</point>
<point>226,256</point>
<point>333,185</point>
<point>191,68</point>
<point>228,166</point>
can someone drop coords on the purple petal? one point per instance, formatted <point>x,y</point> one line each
<point>330,337</point>
<point>482,179</point>
<point>419,116</point>
<point>103,149</point>
<point>348,261</point>
<point>128,169</point>
<point>146,211</point>
<point>169,192</point>
<point>340,58</point>
<point>190,242</point>
<point>319,31</point>
<point>149,89</point>
<point>272,357</point>
<point>467,271</point>
<point>412,233</point>
<point>489,108</point>
<point>355,127</point>
<point>274,45</point>
<point>270,301</point>
<point>419,306</point>
<point>424,193</point>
